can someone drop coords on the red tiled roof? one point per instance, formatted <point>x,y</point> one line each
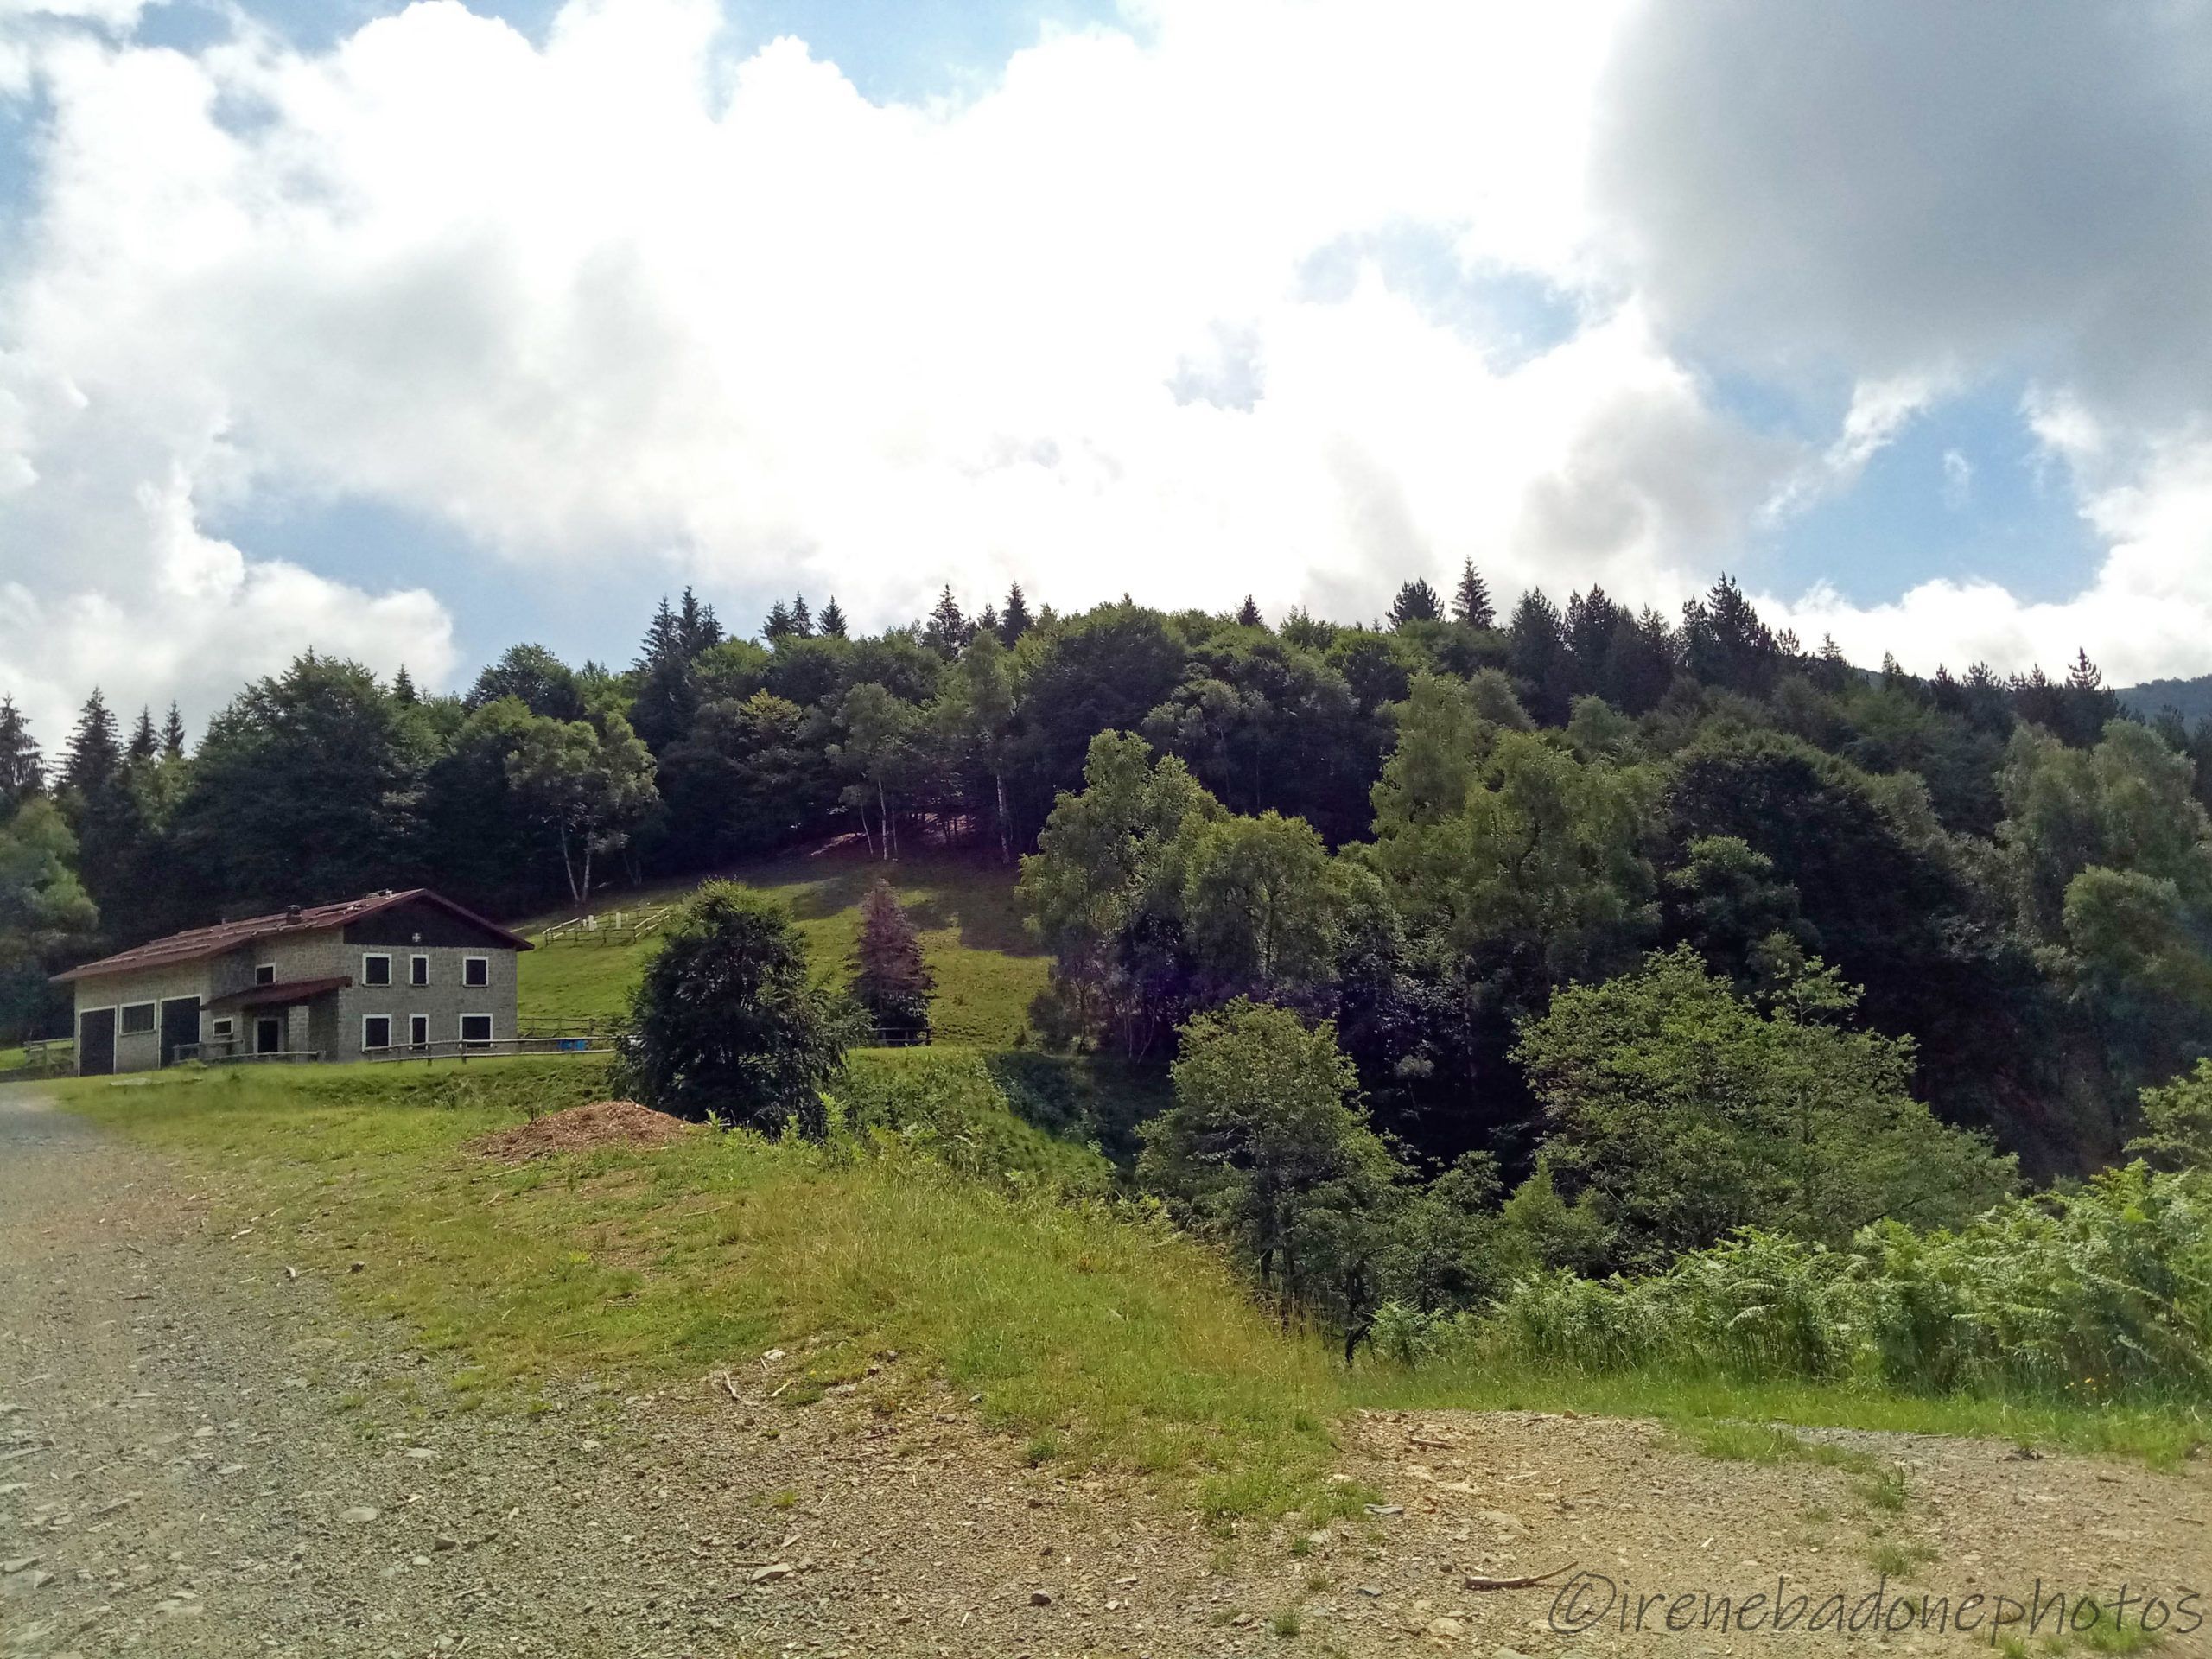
<point>201,941</point>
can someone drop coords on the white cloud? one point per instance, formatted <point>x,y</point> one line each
<point>1927,195</point>
<point>620,299</point>
<point>617,299</point>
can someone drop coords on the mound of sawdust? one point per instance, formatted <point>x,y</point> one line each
<point>578,1128</point>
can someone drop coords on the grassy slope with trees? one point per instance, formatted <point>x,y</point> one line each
<point>1491,955</point>
<point>989,969</point>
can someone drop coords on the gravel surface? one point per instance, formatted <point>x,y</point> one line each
<point>200,1454</point>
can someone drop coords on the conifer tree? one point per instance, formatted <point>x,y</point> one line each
<point>696,626</point>
<point>145,742</point>
<point>1470,600</point>
<point>1247,614</point>
<point>173,727</point>
<point>1416,602</point>
<point>802,618</point>
<point>946,630</point>
<point>403,693</point>
<point>779,624</point>
<point>987,621</point>
<point>891,979</point>
<point>2084,675</point>
<point>94,756</point>
<point>663,639</point>
<point>833,620</point>
<point>22,769</point>
<point>1015,620</point>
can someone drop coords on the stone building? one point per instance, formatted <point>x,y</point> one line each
<point>388,975</point>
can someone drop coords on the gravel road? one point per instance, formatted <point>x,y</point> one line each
<point>202,1455</point>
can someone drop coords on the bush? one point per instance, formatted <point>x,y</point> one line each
<point>1679,1112</point>
<point>948,1104</point>
<point>726,1022</point>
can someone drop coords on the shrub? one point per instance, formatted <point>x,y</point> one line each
<point>726,1022</point>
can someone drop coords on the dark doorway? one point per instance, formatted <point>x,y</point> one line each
<point>268,1036</point>
<point>180,1026</point>
<point>96,1042</point>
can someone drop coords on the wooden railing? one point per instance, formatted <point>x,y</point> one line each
<point>497,1046</point>
<point>224,1054</point>
<point>606,928</point>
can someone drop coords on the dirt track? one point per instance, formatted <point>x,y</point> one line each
<point>188,1466</point>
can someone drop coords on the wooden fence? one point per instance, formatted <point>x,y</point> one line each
<point>605,929</point>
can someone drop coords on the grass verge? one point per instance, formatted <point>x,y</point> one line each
<point>1094,1333</point>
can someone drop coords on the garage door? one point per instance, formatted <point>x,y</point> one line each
<point>96,1042</point>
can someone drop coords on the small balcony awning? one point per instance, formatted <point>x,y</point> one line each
<point>287,991</point>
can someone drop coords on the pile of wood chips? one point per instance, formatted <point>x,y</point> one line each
<point>579,1128</point>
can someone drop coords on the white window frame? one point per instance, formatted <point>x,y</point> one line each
<point>490,1029</point>
<point>415,961</point>
<point>367,1019</point>
<point>123,1008</point>
<point>261,968</point>
<point>384,956</point>
<point>469,984</point>
<point>419,1031</point>
<point>221,1030</point>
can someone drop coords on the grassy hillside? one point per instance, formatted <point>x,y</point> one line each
<point>1089,1328</point>
<point>987,967</point>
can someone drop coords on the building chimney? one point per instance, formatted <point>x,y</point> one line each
<point>291,915</point>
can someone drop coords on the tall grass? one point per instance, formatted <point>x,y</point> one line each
<point>2105,1293</point>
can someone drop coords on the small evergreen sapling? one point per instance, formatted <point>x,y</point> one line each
<point>891,979</point>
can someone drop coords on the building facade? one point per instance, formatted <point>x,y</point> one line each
<point>385,975</point>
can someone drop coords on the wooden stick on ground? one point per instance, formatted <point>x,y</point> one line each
<point>1530,1582</point>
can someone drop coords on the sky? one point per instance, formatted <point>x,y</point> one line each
<point>410,332</point>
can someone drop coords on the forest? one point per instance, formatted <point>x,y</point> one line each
<point>1973,912</point>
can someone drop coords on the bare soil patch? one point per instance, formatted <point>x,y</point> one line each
<point>581,1128</point>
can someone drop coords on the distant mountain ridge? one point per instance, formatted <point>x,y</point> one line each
<point>2193,698</point>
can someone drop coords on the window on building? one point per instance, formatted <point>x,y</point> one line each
<point>418,1030</point>
<point>135,1018</point>
<point>476,970</point>
<point>222,1028</point>
<point>418,971</point>
<point>376,970</point>
<point>475,1027</point>
<point>265,973</point>
<point>376,1031</point>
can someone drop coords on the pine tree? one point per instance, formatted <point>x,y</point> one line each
<point>1416,602</point>
<point>403,693</point>
<point>145,742</point>
<point>779,624</point>
<point>1247,614</point>
<point>802,618</point>
<point>173,727</point>
<point>662,638</point>
<point>890,978</point>
<point>696,626</point>
<point>22,769</point>
<point>946,630</point>
<point>2084,676</point>
<point>833,620</point>
<point>987,621</point>
<point>1015,621</point>
<point>1470,600</point>
<point>94,757</point>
